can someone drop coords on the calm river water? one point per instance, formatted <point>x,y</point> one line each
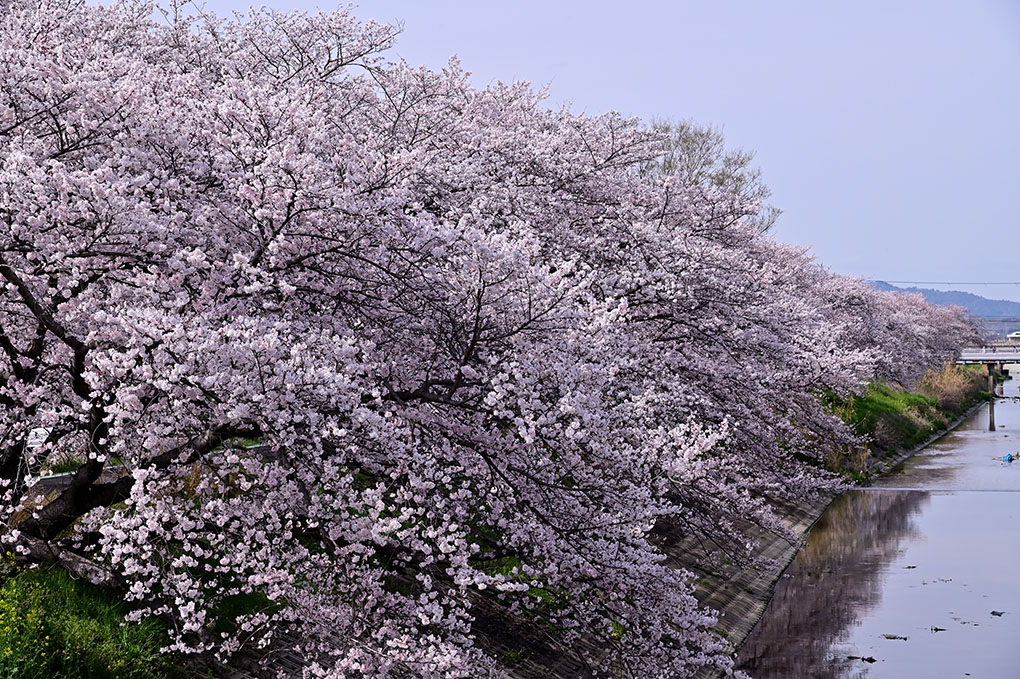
<point>917,576</point>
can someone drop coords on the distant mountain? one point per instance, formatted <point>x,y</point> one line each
<point>1001,316</point>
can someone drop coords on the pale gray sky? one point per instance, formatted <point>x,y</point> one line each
<point>889,130</point>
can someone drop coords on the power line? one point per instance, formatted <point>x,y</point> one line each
<point>882,280</point>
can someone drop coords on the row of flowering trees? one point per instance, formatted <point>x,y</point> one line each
<point>487,346</point>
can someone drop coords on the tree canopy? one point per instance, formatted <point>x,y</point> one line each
<point>482,347</point>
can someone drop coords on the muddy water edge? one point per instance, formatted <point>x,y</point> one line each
<point>917,575</point>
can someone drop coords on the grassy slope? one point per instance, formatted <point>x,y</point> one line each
<point>55,627</point>
<point>893,419</point>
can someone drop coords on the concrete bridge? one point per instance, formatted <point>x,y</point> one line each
<point>992,355</point>
<point>994,358</point>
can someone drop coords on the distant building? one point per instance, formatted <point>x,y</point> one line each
<point>1014,336</point>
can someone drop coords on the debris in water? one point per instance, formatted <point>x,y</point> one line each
<point>998,614</point>
<point>894,636</point>
<point>937,629</point>
<point>910,566</point>
<point>869,659</point>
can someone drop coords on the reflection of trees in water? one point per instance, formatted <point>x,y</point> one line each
<point>929,470</point>
<point>833,580</point>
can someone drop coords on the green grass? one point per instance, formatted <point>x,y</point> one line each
<point>64,466</point>
<point>55,627</point>
<point>902,418</point>
<point>229,609</point>
<point>893,419</point>
<point>513,657</point>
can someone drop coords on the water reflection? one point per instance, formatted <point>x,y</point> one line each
<point>832,581</point>
<point>915,577</point>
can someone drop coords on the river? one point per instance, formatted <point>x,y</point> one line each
<point>915,576</point>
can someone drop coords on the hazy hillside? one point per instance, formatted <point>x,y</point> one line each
<point>1001,316</point>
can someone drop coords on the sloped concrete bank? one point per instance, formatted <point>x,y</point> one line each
<point>742,597</point>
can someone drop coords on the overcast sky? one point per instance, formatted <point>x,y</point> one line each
<point>889,131</point>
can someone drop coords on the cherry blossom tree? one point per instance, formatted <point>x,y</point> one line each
<point>484,351</point>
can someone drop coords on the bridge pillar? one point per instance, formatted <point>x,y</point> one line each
<point>991,401</point>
